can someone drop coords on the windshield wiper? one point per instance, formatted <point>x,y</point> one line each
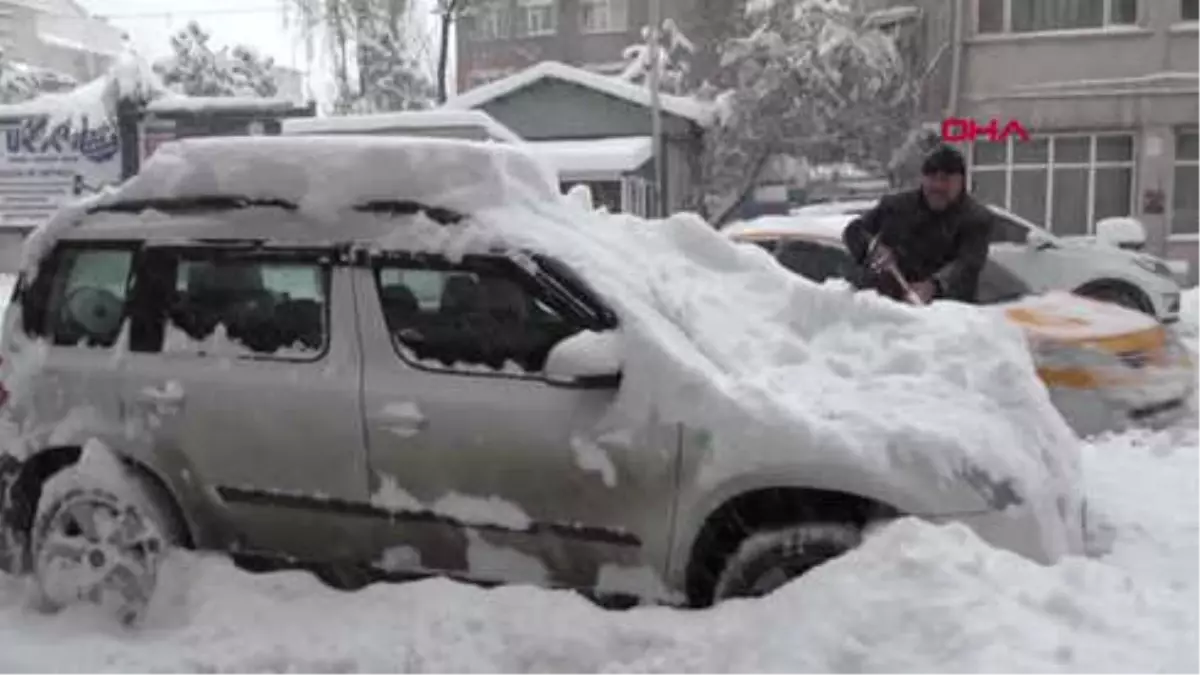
<point>201,203</point>
<point>407,207</point>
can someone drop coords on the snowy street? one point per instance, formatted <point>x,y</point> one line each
<point>914,598</point>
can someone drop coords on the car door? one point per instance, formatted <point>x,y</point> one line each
<point>249,376</point>
<point>66,344</point>
<point>484,468</point>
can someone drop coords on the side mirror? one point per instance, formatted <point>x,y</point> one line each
<point>1121,232</point>
<point>588,359</point>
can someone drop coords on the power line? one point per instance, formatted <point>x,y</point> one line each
<point>165,15</point>
<point>193,12</point>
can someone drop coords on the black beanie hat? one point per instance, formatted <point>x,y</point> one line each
<point>944,159</point>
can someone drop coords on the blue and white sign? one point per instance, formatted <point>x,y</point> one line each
<point>47,162</point>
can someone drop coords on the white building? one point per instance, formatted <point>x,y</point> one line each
<point>58,35</point>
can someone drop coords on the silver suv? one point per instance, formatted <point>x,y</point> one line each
<point>202,371</point>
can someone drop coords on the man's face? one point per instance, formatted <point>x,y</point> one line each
<point>941,189</point>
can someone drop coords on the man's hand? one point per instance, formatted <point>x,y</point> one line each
<point>880,257</point>
<point>925,290</point>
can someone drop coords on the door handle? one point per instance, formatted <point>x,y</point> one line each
<point>170,393</point>
<point>402,419</point>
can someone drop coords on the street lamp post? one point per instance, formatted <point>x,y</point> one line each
<point>655,82</point>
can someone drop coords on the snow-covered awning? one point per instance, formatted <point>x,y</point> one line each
<point>597,159</point>
<point>225,104</point>
<point>415,121</point>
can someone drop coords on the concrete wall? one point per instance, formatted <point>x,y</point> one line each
<point>1140,79</point>
<point>72,43</point>
<point>557,110</point>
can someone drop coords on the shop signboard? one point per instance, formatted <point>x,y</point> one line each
<point>46,162</point>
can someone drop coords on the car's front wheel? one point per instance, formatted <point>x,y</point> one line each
<point>97,545</point>
<point>767,560</point>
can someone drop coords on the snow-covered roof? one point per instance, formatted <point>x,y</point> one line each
<point>327,174</point>
<point>129,77</point>
<point>595,159</point>
<point>407,120</point>
<point>817,225</point>
<point>690,109</point>
<point>201,104</point>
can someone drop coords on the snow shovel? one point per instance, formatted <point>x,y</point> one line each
<point>909,294</point>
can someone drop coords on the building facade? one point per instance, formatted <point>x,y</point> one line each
<point>500,37</point>
<point>58,35</point>
<point>1107,90</point>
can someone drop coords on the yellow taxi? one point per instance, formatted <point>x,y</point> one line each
<point>1106,367</point>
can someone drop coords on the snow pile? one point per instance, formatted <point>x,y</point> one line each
<point>914,598</point>
<point>1188,327</point>
<point>718,337</point>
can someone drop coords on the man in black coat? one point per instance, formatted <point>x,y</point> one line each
<point>936,236</point>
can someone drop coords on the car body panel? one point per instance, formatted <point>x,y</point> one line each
<point>274,440</point>
<point>475,466</point>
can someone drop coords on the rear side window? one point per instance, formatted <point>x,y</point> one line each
<point>83,301</point>
<point>226,303</point>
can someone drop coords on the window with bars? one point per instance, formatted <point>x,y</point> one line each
<point>1032,16</point>
<point>489,21</point>
<point>537,17</point>
<point>1065,181</point>
<point>603,16</point>
<point>1185,210</point>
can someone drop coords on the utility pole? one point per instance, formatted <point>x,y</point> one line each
<point>656,134</point>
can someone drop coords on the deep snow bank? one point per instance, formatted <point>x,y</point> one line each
<point>717,336</point>
<point>915,597</point>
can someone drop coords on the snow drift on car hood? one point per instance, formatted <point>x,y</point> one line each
<point>718,337</point>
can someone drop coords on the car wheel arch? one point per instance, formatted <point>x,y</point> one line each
<point>24,491</point>
<point>1119,285</point>
<point>741,515</point>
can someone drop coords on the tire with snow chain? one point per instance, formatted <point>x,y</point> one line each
<point>767,560</point>
<point>99,543</point>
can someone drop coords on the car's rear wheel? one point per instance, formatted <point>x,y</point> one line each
<point>1121,294</point>
<point>93,544</point>
<point>770,559</point>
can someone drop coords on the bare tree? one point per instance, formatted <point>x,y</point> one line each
<point>357,31</point>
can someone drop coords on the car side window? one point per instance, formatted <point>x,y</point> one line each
<point>229,303</point>
<point>1008,231</point>
<point>816,261</point>
<point>83,300</point>
<point>483,316</point>
<point>997,285</point>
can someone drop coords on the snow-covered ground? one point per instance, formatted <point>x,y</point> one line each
<point>915,597</point>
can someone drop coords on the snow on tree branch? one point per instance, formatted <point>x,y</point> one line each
<point>22,82</point>
<point>674,58</point>
<point>810,79</point>
<point>196,69</point>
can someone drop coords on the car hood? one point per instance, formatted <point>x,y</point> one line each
<point>1065,317</point>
